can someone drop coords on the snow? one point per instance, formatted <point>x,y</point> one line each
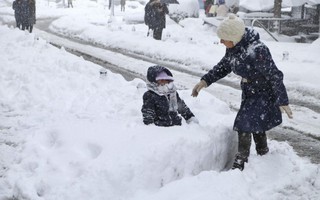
<point>188,8</point>
<point>265,5</point>
<point>68,133</point>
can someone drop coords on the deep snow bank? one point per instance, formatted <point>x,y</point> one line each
<point>79,136</point>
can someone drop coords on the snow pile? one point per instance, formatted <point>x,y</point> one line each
<point>80,132</point>
<point>67,133</point>
<point>278,175</point>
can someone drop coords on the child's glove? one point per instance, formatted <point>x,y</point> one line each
<point>193,120</point>
<point>287,110</point>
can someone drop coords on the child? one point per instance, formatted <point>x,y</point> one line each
<point>161,103</point>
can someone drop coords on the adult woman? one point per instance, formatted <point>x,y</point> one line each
<point>263,91</point>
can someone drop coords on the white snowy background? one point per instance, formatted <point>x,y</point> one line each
<point>67,133</point>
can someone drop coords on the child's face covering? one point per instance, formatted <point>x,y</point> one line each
<point>166,88</point>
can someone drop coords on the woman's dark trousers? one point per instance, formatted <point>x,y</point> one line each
<point>157,33</point>
<point>244,143</point>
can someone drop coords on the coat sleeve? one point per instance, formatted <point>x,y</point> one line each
<point>147,14</point>
<point>264,63</point>
<point>148,109</point>
<point>183,109</point>
<point>165,9</point>
<point>217,72</point>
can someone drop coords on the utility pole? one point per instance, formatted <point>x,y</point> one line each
<point>277,8</point>
<point>112,7</point>
<point>277,14</point>
<point>111,11</point>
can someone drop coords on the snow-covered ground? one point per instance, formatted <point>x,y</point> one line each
<point>67,133</point>
<point>194,45</point>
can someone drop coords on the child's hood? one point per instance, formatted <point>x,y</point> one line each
<point>153,72</point>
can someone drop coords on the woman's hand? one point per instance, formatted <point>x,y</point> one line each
<point>198,87</point>
<point>287,110</point>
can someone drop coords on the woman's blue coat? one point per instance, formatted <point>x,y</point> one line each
<point>262,92</point>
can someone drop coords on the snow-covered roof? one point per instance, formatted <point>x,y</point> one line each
<point>263,5</point>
